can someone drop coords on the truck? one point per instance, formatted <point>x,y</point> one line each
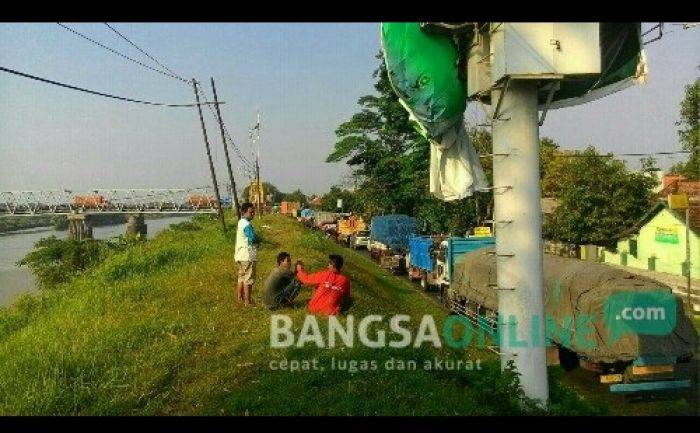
<point>90,201</point>
<point>389,240</point>
<point>431,259</point>
<point>360,239</point>
<point>306,216</point>
<point>628,361</point>
<point>200,201</point>
<point>321,218</point>
<point>289,207</point>
<point>348,226</point>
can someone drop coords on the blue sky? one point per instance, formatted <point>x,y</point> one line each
<point>304,78</point>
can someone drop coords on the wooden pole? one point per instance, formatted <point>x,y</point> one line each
<point>228,160</point>
<point>211,163</point>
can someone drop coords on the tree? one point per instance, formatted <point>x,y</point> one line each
<point>548,151</point>
<point>689,131</point>
<point>375,143</point>
<point>329,200</point>
<point>598,198</point>
<point>297,196</point>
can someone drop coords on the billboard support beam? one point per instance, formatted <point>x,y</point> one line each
<point>519,244</point>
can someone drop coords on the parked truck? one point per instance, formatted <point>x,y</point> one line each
<point>90,201</point>
<point>431,259</point>
<point>629,361</point>
<point>201,201</point>
<point>348,226</point>
<point>389,240</point>
<point>289,207</point>
<point>321,218</point>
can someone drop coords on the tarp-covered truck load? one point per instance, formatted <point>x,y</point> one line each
<point>321,218</point>
<point>586,302</point>
<point>393,230</point>
<point>389,240</point>
<point>420,250</point>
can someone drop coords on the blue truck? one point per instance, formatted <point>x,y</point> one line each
<point>389,236</point>
<point>431,259</point>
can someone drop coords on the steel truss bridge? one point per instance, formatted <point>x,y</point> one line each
<point>110,201</point>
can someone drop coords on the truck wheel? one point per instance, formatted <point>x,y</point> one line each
<point>568,359</point>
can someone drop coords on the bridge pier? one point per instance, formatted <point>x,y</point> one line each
<point>78,227</point>
<point>136,227</point>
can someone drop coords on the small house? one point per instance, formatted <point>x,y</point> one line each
<point>657,242</point>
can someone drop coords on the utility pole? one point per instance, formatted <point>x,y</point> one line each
<point>211,163</point>
<point>228,160</point>
<point>257,166</point>
<point>519,254</point>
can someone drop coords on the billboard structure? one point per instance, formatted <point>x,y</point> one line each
<point>516,71</point>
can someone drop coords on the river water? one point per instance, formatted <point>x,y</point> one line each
<point>15,280</point>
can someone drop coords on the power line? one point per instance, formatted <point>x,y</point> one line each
<point>106,95</point>
<point>145,53</point>
<point>167,74</point>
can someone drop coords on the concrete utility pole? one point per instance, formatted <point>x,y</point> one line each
<point>519,251</point>
<point>228,159</point>
<point>211,163</point>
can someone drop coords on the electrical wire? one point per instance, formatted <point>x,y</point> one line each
<point>167,74</point>
<point>146,54</point>
<point>93,92</point>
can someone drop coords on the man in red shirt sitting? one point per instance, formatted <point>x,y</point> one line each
<point>332,290</point>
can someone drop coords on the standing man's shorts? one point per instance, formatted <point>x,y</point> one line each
<point>246,273</point>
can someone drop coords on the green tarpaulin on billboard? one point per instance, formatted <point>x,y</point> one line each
<point>423,70</point>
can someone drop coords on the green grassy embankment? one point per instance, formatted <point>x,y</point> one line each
<point>155,329</point>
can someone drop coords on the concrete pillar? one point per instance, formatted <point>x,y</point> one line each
<point>519,242</point>
<point>79,227</point>
<point>136,227</point>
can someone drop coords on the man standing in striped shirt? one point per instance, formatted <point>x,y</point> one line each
<point>245,252</point>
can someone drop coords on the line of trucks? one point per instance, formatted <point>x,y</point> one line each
<point>98,201</point>
<point>462,270</point>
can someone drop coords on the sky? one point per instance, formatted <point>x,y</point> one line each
<point>304,79</point>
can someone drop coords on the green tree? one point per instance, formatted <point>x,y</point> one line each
<point>329,200</point>
<point>375,142</point>
<point>689,131</point>
<point>598,198</point>
<point>297,196</point>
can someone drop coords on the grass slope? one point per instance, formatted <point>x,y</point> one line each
<point>156,330</point>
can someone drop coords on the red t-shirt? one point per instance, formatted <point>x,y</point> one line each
<point>332,288</point>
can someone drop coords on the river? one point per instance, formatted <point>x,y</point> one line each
<point>15,280</point>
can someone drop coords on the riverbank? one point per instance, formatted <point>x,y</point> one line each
<point>155,329</point>
<point>14,246</point>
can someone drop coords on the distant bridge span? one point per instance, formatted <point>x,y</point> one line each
<point>111,201</point>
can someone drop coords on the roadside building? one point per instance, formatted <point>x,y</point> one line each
<point>657,242</point>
